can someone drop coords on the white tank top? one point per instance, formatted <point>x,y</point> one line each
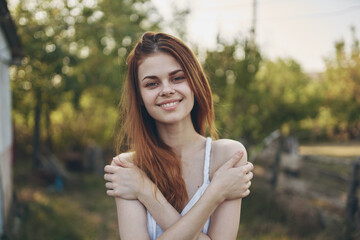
<point>155,230</point>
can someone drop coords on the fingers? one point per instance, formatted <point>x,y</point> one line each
<point>249,176</point>
<point>108,177</point>
<point>110,193</point>
<point>246,170</point>
<point>123,163</point>
<point>117,161</point>
<point>110,168</point>
<point>109,185</point>
<point>246,193</point>
<point>113,163</point>
<point>233,160</point>
<point>248,167</point>
<point>110,190</point>
<point>114,168</point>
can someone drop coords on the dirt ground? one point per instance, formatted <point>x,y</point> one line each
<point>335,150</point>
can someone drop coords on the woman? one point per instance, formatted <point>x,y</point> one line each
<point>173,178</point>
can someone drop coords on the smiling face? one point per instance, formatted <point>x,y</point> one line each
<point>164,89</point>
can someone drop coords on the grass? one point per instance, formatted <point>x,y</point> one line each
<point>83,211</point>
<point>281,216</point>
<point>338,150</point>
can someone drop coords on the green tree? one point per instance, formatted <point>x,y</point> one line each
<point>231,69</point>
<point>342,90</point>
<point>255,96</point>
<point>285,95</point>
<point>75,56</point>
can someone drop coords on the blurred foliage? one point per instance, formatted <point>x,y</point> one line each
<point>232,69</point>
<point>83,211</point>
<point>341,94</point>
<point>285,94</point>
<point>254,96</point>
<point>75,61</point>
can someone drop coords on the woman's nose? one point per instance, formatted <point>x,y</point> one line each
<point>167,90</point>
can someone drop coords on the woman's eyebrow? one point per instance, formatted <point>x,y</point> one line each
<point>150,76</point>
<point>175,72</point>
<point>170,74</point>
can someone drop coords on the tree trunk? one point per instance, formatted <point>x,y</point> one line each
<point>36,143</point>
<point>49,143</point>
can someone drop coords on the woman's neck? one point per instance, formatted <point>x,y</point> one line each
<point>181,136</point>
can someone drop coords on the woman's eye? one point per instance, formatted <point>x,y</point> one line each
<point>179,78</point>
<point>151,84</point>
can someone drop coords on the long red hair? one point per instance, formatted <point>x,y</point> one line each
<point>138,129</point>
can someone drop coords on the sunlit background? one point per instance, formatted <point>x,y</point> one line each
<point>304,30</point>
<point>286,83</point>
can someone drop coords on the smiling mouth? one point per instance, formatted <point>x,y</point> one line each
<point>170,104</point>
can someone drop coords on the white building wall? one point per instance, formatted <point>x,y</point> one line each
<point>5,132</point>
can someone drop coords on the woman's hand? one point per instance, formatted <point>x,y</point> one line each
<point>233,182</point>
<point>125,180</point>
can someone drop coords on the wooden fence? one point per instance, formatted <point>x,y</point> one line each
<point>331,184</point>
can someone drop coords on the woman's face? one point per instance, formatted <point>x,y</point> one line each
<point>164,88</point>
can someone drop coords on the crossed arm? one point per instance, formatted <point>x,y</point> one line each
<point>134,194</point>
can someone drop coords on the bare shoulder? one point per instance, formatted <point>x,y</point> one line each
<point>222,150</point>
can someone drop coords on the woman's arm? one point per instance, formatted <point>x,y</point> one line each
<point>190,225</point>
<point>224,222</point>
<point>167,217</point>
<point>224,185</point>
<point>226,218</point>
<point>132,220</point>
<point>161,210</point>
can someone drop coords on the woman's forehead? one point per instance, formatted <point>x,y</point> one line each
<point>158,64</point>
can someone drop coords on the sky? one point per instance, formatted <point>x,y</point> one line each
<point>305,30</point>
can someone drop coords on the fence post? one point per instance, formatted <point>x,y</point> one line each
<point>276,165</point>
<point>352,200</point>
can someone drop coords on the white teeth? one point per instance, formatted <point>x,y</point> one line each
<point>169,104</point>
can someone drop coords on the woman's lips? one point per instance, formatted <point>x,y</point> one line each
<point>169,105</point>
